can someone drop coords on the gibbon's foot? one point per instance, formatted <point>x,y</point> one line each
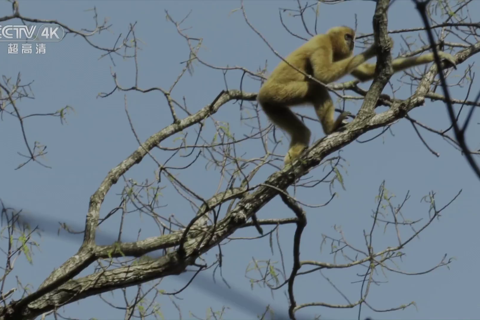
<point>448,59</point>
<point>294,153</point>
<point>342,124</point>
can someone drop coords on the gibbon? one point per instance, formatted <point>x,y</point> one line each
<point>326,57</point>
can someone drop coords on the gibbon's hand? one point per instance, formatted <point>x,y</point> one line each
<point>448,60</point>
<point>391,43</point>
<point>344,115</point>
<point>375,45</point>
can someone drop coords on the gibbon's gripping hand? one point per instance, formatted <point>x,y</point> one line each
<point>391,42</point>
<point>343,116</point>
<point>372,51</point>
<point>448,60</point>
<point>390,45</point>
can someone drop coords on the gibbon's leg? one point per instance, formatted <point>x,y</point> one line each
<point>366,71</point>
<point>285,119</point>
<point>325,110</point>
<point>276,106</point>
<point>405,63</point>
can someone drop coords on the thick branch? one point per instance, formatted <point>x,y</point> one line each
<point>383,70</point>
<point>101,282</point>
<point>87,253</point>
<point>112,177</point>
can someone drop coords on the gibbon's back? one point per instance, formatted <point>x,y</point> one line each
<point>300,59</point>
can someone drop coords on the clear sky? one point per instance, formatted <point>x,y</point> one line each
<point>98,137</point>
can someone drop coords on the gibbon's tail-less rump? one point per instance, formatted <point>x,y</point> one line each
<point>326,57</point>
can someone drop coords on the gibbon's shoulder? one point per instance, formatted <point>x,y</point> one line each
<point>320,41</point>
<point>300,57</point>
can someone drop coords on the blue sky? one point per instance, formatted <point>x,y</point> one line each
<point>98,137</point>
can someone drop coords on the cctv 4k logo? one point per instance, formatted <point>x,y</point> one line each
<point>39,33</point>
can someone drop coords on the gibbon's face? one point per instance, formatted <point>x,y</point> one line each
<point>349,40</point>
<point>343,41</point>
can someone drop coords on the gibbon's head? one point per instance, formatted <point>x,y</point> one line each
<point>343,41</point>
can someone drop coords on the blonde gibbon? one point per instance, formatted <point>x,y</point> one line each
<point>326,57</point>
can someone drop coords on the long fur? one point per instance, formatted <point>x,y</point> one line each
<point>327,57</point>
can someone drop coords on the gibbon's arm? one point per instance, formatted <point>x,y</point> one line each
<point>327,71</point>
<point>366,71</point>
